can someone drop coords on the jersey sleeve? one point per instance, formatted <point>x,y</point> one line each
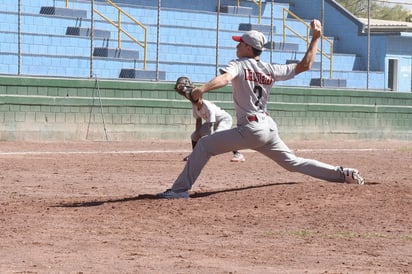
<point>233,68</point>
<point>283,72</point>
<point>211,109</point>
<point>212,116</point>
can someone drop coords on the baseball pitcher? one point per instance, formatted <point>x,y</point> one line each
<point>252,80</point>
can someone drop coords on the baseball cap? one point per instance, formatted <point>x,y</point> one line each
<point>253,38</point>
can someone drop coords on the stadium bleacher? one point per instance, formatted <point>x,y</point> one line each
<point>57,43</point>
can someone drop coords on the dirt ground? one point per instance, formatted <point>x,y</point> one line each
<point>89,207</point>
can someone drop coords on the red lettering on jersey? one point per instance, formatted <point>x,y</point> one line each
<point>248,75</point>
<point>258,77</point>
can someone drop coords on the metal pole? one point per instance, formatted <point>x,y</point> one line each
<point>271,30</point>
<point>159,4</point>
<point>321,43</point>
<point>217,37</point>
<point>19,39</point>
<point>91,37</point>
<point>101,110</point>
<point>96,87</point>
<point>369,44</point>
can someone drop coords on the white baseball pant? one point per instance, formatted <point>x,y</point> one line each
<point>260,134</point>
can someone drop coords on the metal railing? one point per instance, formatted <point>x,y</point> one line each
<point>306,38</point>
<point>120,30</point>
<point>259,4</point>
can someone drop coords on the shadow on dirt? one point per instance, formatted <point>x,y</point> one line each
<point>154,197</point>
<point>208,193</point>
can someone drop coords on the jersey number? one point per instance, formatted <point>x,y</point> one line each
<point>258,91</point>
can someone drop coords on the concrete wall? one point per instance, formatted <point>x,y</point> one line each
<point>47,109</point>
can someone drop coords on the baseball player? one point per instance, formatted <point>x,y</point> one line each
<point>252,80</point>
<point>216,119</point>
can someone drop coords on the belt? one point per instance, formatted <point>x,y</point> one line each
<point>254,118</point>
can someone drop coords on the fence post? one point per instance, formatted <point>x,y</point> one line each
<point>159,5</point>
<point>217,38</point>
<point>91,37</point>
<point>19,39</point>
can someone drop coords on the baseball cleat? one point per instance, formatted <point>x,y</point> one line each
<point>186,159</point>
<point>352,176</point>
<point>238,157</point>
<point>170,194</point>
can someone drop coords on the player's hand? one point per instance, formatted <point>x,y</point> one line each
<point>316,28</point>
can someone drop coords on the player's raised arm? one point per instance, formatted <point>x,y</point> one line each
<point>310,55</point>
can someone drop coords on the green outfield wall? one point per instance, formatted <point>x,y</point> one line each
<point>50,109</point>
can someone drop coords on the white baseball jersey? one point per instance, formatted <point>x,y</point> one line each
<point>252,83</point>
<point>216,119</point>
<point>209,112</point>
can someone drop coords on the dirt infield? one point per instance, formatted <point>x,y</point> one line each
<point>88,207</point>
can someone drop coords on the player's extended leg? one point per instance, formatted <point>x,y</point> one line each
<point>224,124</point>
<point>193,146</point>
<point>208,146</point>
<point>280,153</point>
<point>196,135</point>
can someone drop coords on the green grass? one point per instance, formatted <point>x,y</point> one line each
<point>408,237</point>
<point>405,148</point>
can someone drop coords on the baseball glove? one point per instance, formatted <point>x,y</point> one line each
<point>185,87</point>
